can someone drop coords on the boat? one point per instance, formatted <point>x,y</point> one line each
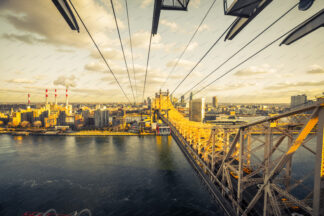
<point>162,130</point>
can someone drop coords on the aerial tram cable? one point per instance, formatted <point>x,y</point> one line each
<point>192,37</point>
<point>103,58</point>
<point>206,53</point>
<point>122,48</point>
<point>242,62</point>
<point>149,51</point>
<point>147,63</point>
<point>131,47</point>
<point>241,49</point>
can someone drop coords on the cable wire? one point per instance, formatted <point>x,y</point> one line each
<point>122,47</point>
<point>103,58</point>
<point>256,53</point>
<point>192,37</point>
<point>147,63</point>
<point>206,53</point>
<point>131,47</point>
<point>241,49</point>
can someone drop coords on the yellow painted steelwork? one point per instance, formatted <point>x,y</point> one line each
<point>197,134</point>
<point>322,166</point>
<point>303,134</point>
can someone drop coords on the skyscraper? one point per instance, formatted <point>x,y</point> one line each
<point>215,102</point>
<point>101,118</point>
<point>197,110</point>
<point>191,96</point>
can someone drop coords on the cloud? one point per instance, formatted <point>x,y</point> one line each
<point>195,3</point>
<point>141,39</point>
<point>297,84</point>
<point>315,69</point>
<point>204,27</point>
<point>146,3</point>
<point>120,70</point>
<point>254,70</point>
<point>93,91</point>
<point>41,22</point>
<point>40,77</point>
<point>172,25</point>
<point>111,54</point>
<point>181,63</point>
<point>192,46</point>
<point>26,38</point>
<point>66,81</point>
<point>232,86</point>
<point>64,50</point>
<point>21,81</point>
<point>95,67</point>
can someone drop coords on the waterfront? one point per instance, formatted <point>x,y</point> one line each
<point>124,175</point>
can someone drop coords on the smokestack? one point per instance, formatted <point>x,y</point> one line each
<point>28,99</point>
<point>55,97</point>
<point>46,96</point>
<point>67,98</point>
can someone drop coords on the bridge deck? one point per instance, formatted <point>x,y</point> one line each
<point>254,169</point>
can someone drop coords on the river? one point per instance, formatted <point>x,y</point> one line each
<point>116,175</point>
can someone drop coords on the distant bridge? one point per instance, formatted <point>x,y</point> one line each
<point>274,166</point>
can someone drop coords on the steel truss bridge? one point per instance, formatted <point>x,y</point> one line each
<point>273,166</point>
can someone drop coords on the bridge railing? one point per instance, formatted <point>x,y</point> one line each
<point>273,166</point>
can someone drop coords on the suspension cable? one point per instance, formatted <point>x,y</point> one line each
<point>131,47</point>
<point>147,63</point>
<point>242,62</point>
<point>122,47</point>
<point>103,58</point>
<point>241,49</point>
<point>185,49</point>
<point>206,53</point>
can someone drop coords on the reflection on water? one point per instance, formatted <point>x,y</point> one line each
<point>114,175</point>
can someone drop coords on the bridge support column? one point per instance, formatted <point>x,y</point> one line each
<point>240,171</point>
<point>213,151</point>
<point>267,162</point>
<point>289,163</point>
<point>318,199</point>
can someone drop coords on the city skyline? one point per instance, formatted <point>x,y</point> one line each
<point>41,52</point>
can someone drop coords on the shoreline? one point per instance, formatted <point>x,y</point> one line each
<point>76,133</point>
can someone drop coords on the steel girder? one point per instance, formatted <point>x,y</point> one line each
<point>254,165</point>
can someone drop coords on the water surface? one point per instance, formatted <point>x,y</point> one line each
<point>114,175</point>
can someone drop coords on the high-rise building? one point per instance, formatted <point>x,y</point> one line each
<point>149,102</point>
<point>182,100</point>
<point>86,116</point>
<point>215,102</point>
<point>197,110</point>
<point>101,118</point>
<point>298,100</point>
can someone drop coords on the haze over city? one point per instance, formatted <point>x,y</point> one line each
<point>161,107</point>
<point>39,51</point>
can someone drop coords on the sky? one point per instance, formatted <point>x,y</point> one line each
<point>39,51</point>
